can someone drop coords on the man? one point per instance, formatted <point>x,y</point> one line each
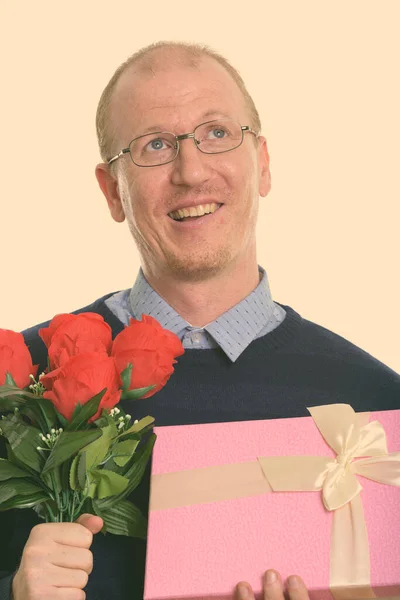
<point>180,137</point>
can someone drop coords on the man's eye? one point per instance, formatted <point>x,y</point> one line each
<point>156,144</point>
<point>218,134</point>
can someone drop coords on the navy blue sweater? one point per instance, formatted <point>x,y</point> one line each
<point>299,364</point>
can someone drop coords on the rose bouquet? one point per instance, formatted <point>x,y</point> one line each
<point>70,448</point>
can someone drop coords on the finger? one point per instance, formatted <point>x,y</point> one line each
<point>243,591</point>
<point>272,586</point>
<point>68,594</point>
<point>296,588</point>
<point>78,558</point>
<point>70,534</point>
<point>61,578</point>
<point>91,522</point>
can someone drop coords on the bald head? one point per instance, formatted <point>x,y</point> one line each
<point>143,67</point>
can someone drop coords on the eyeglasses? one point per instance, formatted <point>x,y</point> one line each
<point>162,147</point>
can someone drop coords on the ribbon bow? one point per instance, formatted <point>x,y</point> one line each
<point>351,436</point>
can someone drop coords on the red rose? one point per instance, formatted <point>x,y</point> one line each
<point>15,358</point>
<point>69,335</point>
<point>151,350</point>
<point>79,379</point>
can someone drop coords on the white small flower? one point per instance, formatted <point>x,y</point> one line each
<point>120,425</point>
<point>134,422</point>
<point>52,430</point>
<point>128,417</point>
<point>48,436</point>
<point>38,448</point>
<point>41,375</point>
<point>117,411</point>
<point>31,377</point>
<point>42,437</point>
<point>60,430</point>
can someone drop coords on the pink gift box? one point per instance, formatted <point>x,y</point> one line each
<point>202,550</point>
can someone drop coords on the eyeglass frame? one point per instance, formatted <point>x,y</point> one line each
<point>183,136</point>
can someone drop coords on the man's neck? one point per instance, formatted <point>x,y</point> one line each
<point>201,302</point>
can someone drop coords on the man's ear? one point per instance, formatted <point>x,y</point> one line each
<point>264,172</point>
<point>109,186</point>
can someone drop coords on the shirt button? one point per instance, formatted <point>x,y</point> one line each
<point>196,337</point>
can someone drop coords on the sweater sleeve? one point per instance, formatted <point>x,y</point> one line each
<point>5,585</point>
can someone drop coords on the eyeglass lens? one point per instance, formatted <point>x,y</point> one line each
<point>213,137</point>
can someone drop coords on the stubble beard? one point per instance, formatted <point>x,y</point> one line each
<point>194,267</point>
<point>189,266</point>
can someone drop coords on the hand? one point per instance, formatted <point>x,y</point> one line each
<point>56,561</point>
<point>273,588</point>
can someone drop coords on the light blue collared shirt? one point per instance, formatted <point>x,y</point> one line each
<point>254,316</point>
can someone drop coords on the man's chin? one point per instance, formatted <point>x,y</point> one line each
<point>198,268</point>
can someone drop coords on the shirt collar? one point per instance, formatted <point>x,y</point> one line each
<point>233,331</point>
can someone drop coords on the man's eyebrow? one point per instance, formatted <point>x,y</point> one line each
<point>209,113</point>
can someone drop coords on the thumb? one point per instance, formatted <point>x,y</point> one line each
<point>91,522</point>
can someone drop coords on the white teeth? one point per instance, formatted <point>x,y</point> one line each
<point>194,211</point>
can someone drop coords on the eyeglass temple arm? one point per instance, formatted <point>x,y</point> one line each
<point>249,129</point>
<point>124,151</point>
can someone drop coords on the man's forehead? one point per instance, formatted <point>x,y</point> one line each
<point>166,88</point>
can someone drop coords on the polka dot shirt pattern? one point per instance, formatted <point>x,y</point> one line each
<point>253,317</point>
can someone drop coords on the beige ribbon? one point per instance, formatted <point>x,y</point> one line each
<point>351,437</point>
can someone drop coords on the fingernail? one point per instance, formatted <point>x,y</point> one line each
<point>293,582</point>
<point>243,592</point>
<point>270,577</point>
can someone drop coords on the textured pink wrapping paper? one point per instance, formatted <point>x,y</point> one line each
<point>203,551</point>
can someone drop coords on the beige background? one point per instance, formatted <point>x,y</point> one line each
<point>324,76</point>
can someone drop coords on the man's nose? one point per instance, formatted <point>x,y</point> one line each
<point>191,166</point>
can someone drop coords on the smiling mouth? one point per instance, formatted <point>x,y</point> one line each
<point>194,212</point>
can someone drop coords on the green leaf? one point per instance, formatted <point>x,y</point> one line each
<point>64,474</point>
<point>135,472</point>
<point>41,411</point>
<point>17,487</point>
<point>13,459</point>
<point>137,393</point>
<point>52,480</point>
<point>82,470</point>
<point>83,413</point>
<point>62,420</point>
<point>10,380</point>
<point>126,377</point>
<point>136,427</point>
<point>123,451</point>
<point>7,391</point>
<point>73,473</point>
<point>23,440</point>
<point>124,518</point>
<point>68,444</point>
<point>8,470</point>
<point>92,490</point>
<point>97,450</point>
<point>109,483</point>
<point>27,501</point>
<point>10,400</point>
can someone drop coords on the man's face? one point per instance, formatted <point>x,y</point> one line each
<point>177,99</point>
